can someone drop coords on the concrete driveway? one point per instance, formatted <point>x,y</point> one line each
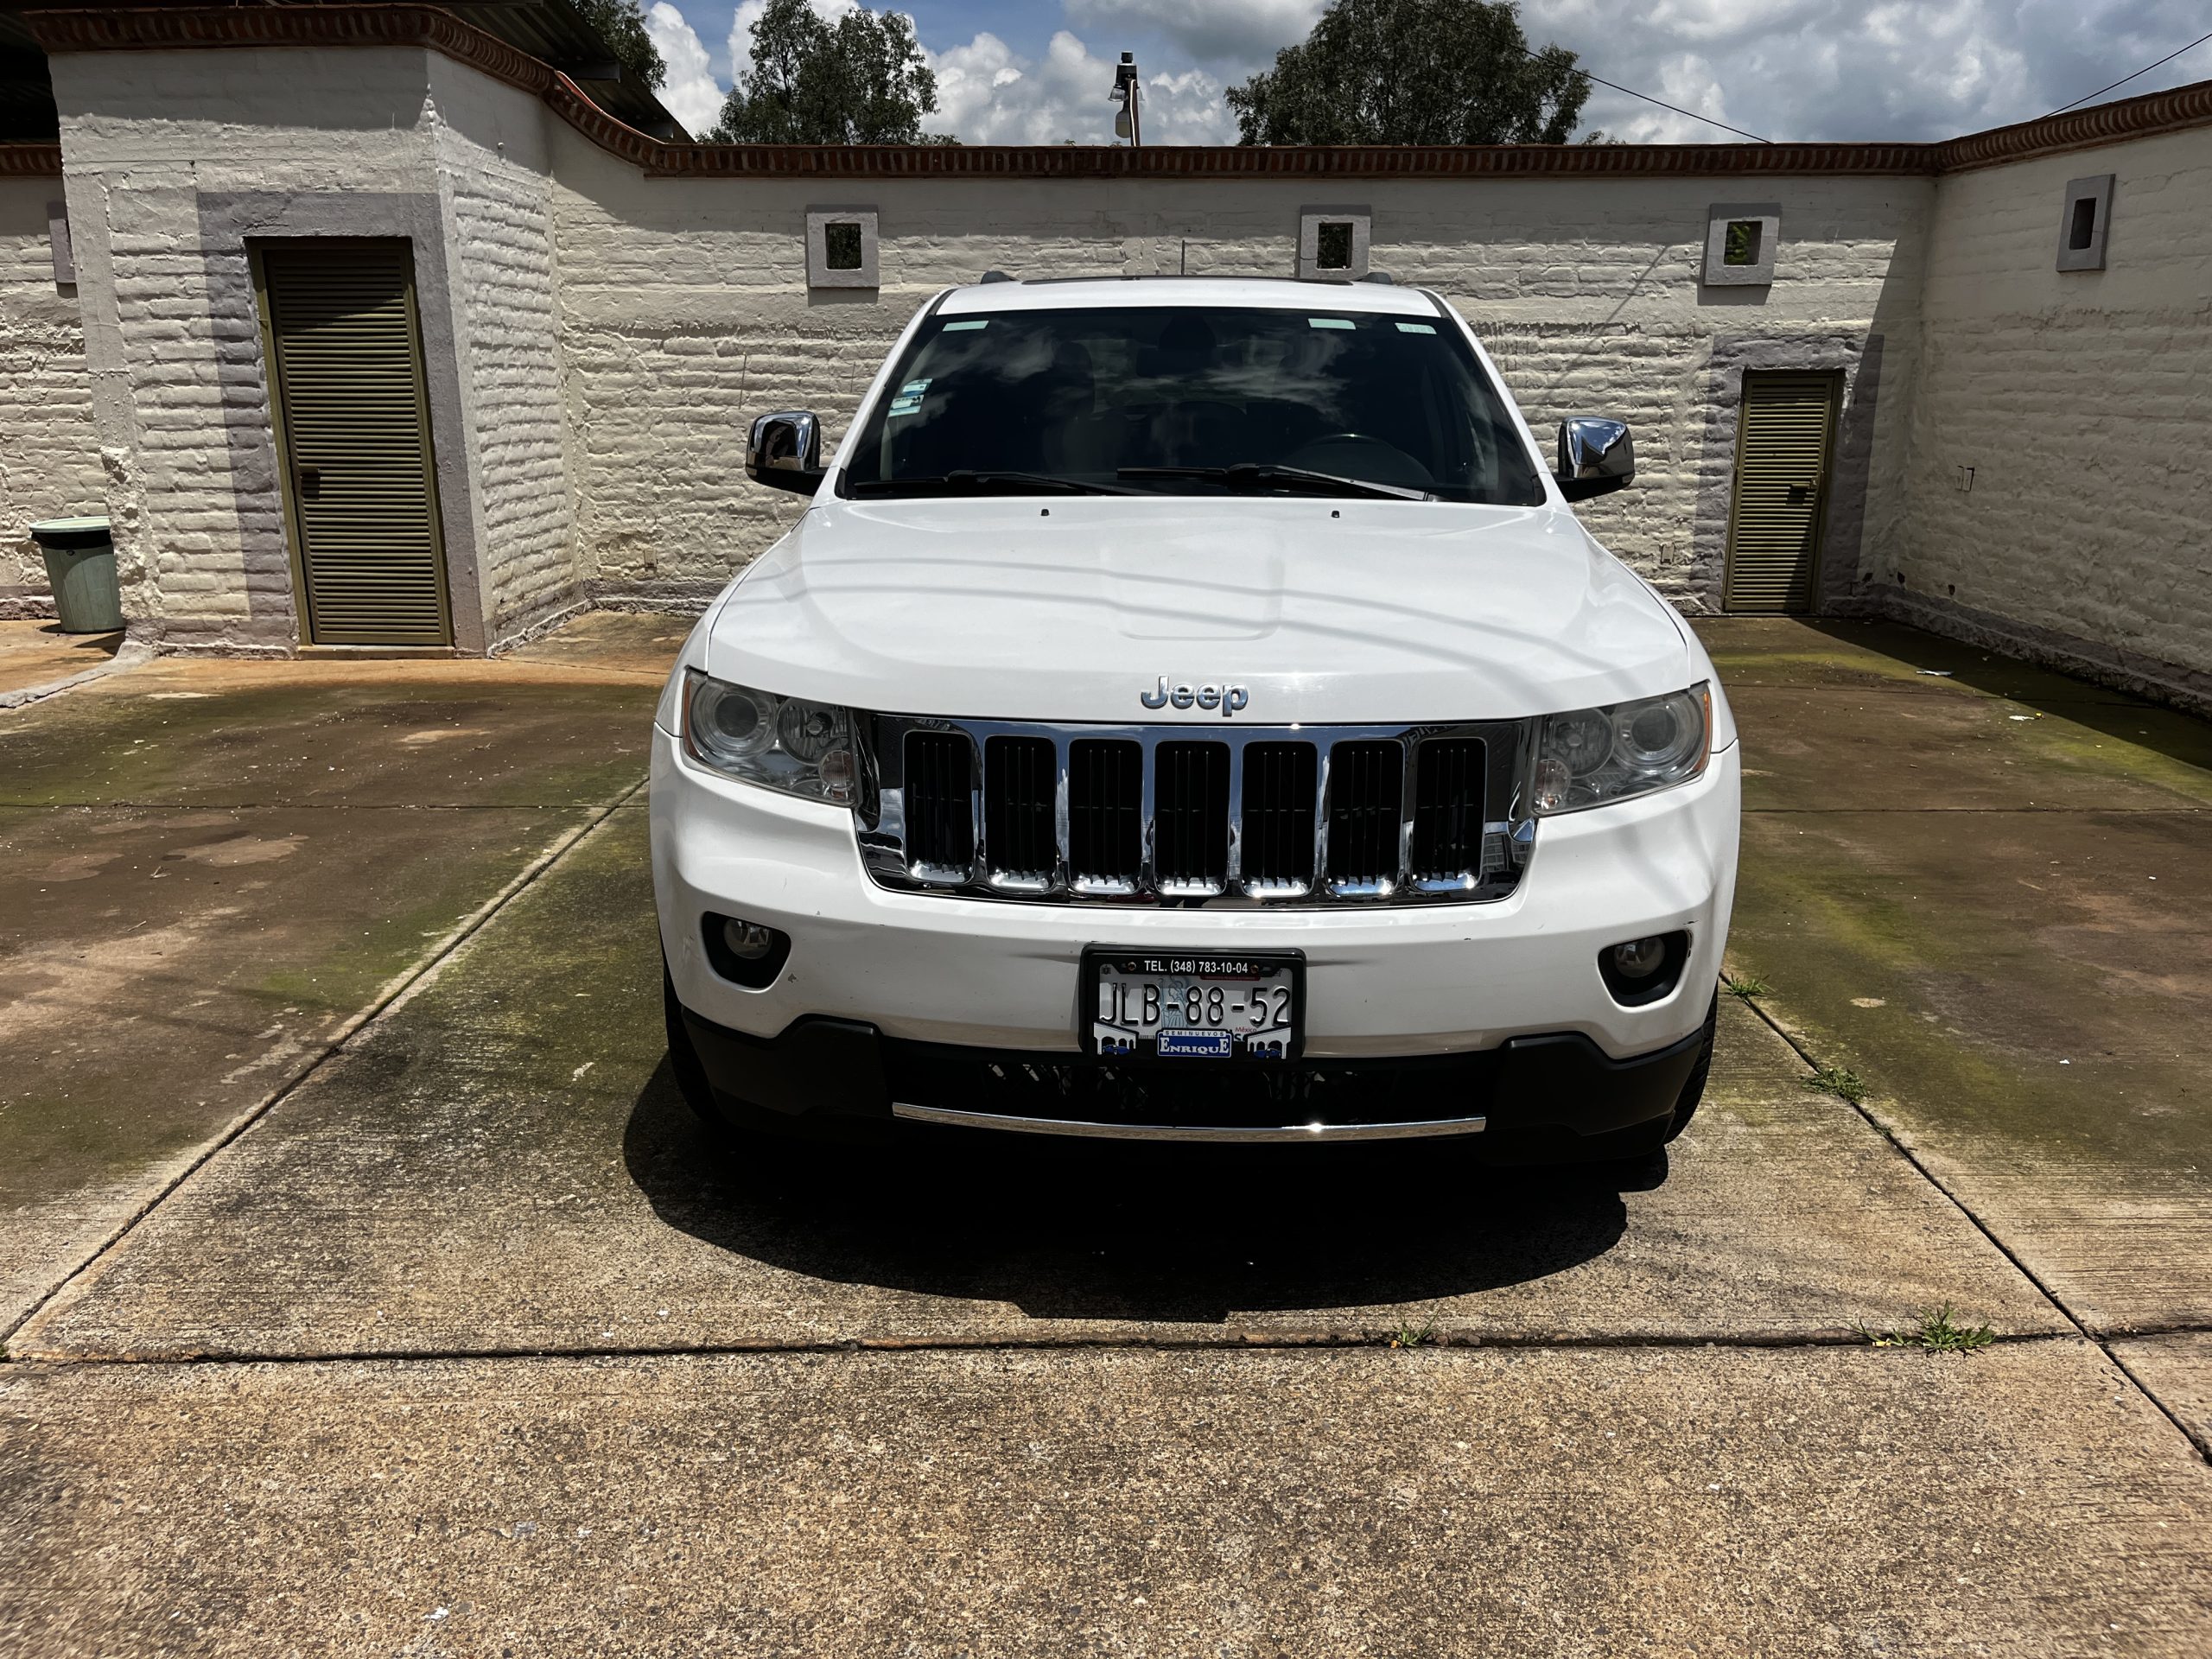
<point>369,1289</point>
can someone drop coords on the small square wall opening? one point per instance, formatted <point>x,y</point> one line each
<point>1334,242</point>
<point>2083,224</point>
<point>840,247</point>
<point>1741,238</point>
<point>840,244</point>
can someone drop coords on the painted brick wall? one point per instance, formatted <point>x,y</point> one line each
<point>685,312</point>
<point>493,174</point>
<point>49,454</point>
<point>2078,399</point>
<point>170,170</point>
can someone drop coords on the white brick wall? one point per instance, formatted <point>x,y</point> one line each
<point>604,339</point>
<point>153,143</point>
<point>49,455</point>
<point>494,179</point>
<point>685,312</point>
<point>2078,399</point>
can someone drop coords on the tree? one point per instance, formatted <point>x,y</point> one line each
<point>622,27</point>
<point>1414,71</point>
<point>861,81</point>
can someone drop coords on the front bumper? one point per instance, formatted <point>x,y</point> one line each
<point>1541,1098</point>
<point>1464,988</point>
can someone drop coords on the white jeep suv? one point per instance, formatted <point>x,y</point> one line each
<point>1188,710</point>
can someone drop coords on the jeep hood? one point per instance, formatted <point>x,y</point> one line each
<point>1070,608</point>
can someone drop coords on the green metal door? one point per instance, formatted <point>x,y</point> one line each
<point>353,428</point>
<point>1781,474</point>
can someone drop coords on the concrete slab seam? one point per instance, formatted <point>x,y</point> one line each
<point>391,995</point>
<point>1274,1342</point>
<point>1889,1133</point>
<point>131,656</point>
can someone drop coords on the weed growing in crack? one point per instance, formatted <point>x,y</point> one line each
<point>1839,1081</point>
<point>1936,1331</point>
<point>1746,986</point>
<point>1414,1336</point>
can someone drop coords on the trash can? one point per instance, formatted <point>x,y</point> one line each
<point>81,571</point>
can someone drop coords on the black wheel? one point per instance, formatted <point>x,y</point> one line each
<point>1693,1085</point>
<point>684,1059</point>
<point>740,1122</point>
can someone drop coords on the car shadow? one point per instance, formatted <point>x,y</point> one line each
<point>1089,1229</point>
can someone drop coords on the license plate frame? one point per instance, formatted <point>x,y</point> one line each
<point>1254,968</point>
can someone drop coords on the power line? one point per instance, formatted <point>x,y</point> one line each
<point>2123,79</point>
<point>1692,114</point>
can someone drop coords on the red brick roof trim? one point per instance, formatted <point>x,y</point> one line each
<point>30,160</point>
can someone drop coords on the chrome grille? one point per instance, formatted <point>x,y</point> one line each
<point>1021,798</point>
<point>1446,828</point>
<point>1366,795</point>
<point>1280,789</point>
<point>1181,814</point>
<point>1190,819</point>
<point>940,801</point>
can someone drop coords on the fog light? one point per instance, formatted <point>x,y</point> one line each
<point>746,953</point>
<point>1639,958</point>
<point>1644,970</point>
<point>750,942</point>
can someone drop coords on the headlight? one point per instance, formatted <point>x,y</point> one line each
<point>786,743</point>
<point>1593,757</point>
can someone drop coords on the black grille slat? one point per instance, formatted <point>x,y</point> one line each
<point>1366,792</point>
<point>1189,822</point>
<point>1021,780</point>
<point>1448,774</point>
<point>1105,811</point>
<point>940,801</point>
<point>1280,786</point>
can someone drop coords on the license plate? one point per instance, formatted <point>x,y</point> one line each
<point>1170,1006</point>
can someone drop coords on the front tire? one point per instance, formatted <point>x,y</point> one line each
<point>1693,1085</point>
<point>683,1060</point>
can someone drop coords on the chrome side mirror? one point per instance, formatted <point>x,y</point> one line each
<point>784,451</point>
<point>1595,455</point>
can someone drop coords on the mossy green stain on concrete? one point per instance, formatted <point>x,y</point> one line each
<point>301,742</point>
<point>2024,984</point>
<point>302,834</point>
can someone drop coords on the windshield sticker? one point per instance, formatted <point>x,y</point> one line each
<point>909,400</point>
<point>1328,322</point>
<point>976,322</point>
<point>1416,329</point>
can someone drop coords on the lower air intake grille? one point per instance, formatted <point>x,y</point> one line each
<point>1364,804</point>
<point>1191,817</point>
<point>1105,815</point>
<point>1448,808</point>
<point>940,804</point>
<point>1020,779</point>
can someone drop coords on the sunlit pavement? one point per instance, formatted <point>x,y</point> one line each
<point>372,1290</point>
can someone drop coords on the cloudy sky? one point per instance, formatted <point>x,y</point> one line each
<point>1038,73</point>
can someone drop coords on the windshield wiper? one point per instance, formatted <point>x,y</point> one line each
<point>1255,474</point>
<point>965,479</point>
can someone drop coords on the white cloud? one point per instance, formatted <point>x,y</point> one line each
<point>987,93</point>
<point>1843,69</point>
<point>1805,69</point>
<point>1230,37</point>
<point>690,93</point>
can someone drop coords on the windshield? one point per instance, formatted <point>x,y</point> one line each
<point>1187,400</point>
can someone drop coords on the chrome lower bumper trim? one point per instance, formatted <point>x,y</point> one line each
<point>1176,1132</point>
